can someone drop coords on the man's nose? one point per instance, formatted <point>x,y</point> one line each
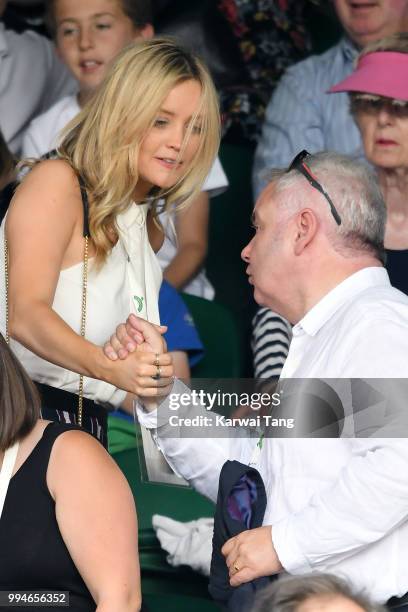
<point>246,252</point>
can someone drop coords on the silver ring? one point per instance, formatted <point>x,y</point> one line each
<point>156,360</point>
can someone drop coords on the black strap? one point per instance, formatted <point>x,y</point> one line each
<point>85,205</point>
<point>52,431</point>
<point>395,602</point>
<point>50,155</point>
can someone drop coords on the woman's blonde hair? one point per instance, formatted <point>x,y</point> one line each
<point>102,142</point>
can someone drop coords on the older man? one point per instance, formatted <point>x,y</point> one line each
<point>300,114</point>
<point>334,505</point>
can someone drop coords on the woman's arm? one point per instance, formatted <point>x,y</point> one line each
<point>97,519</point>
<point>192,236</point>
<point>44,231</point>
<point>44,235</point>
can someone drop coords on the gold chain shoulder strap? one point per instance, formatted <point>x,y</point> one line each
<point>84,290</point>
<point>6,278</point>
<point>83,324</point>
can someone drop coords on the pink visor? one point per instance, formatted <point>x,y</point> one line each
<point>382,73</point>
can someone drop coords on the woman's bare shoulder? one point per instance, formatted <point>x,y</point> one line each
<point>73,440</point>
<point>74,446</point>
<point>77,452</point>
<point>47,190</point>
<point>50,167</point>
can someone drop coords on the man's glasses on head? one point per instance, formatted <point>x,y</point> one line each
<point>300,165</point>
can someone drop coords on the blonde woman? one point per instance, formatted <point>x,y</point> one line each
<point>126,151</point>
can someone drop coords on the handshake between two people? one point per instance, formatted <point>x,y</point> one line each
<point>141,345</point>
<point>249,555</point>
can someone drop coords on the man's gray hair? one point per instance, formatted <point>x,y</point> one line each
<point>353,187</point>
<point>288,593</point>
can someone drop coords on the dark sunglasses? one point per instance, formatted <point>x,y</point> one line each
<point>374,107</point>
<point>299,164</point>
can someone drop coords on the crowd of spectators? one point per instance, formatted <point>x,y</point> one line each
<point>276,98</point>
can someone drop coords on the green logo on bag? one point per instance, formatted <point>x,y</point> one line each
<point>139,302</point>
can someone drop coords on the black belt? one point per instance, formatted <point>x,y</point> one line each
<point>398,601</point>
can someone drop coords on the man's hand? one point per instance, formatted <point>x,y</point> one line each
<point>132,335</point>
<point>251,555</point>
<point>148,372</point>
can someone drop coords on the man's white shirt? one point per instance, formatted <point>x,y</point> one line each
<point>336,505</point>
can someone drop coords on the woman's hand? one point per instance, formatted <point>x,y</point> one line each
<point>130,336</point>
<point>147,371</point>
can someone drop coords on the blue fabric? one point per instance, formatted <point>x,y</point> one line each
<point>241,504</point>
<point>301,115</point>
<point>182,333</point>
<point>241,500</point>
<point>122,415</point>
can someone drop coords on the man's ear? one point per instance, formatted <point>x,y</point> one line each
<point>146,32</point>
<point>306,229</point>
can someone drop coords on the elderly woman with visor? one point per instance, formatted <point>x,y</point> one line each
<point>378,90</point>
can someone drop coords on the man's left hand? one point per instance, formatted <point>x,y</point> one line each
<point>251,555</point>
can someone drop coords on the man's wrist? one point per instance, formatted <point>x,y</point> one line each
<point>147,419</point>
<point>147,404</point>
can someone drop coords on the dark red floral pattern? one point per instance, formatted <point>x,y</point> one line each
<point>271,36</point>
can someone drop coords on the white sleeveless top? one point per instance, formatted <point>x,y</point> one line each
<point>129,281</point>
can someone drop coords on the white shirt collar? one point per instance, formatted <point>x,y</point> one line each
<point>315,318</point>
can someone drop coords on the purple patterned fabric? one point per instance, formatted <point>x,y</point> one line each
<point>241,500</point>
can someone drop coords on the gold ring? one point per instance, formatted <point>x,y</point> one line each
<point>157,376</point>
<point>156,360</point>
<point>236,567</point>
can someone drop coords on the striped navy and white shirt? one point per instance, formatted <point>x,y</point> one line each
<point>271,336</point>
<point>301,115</point>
